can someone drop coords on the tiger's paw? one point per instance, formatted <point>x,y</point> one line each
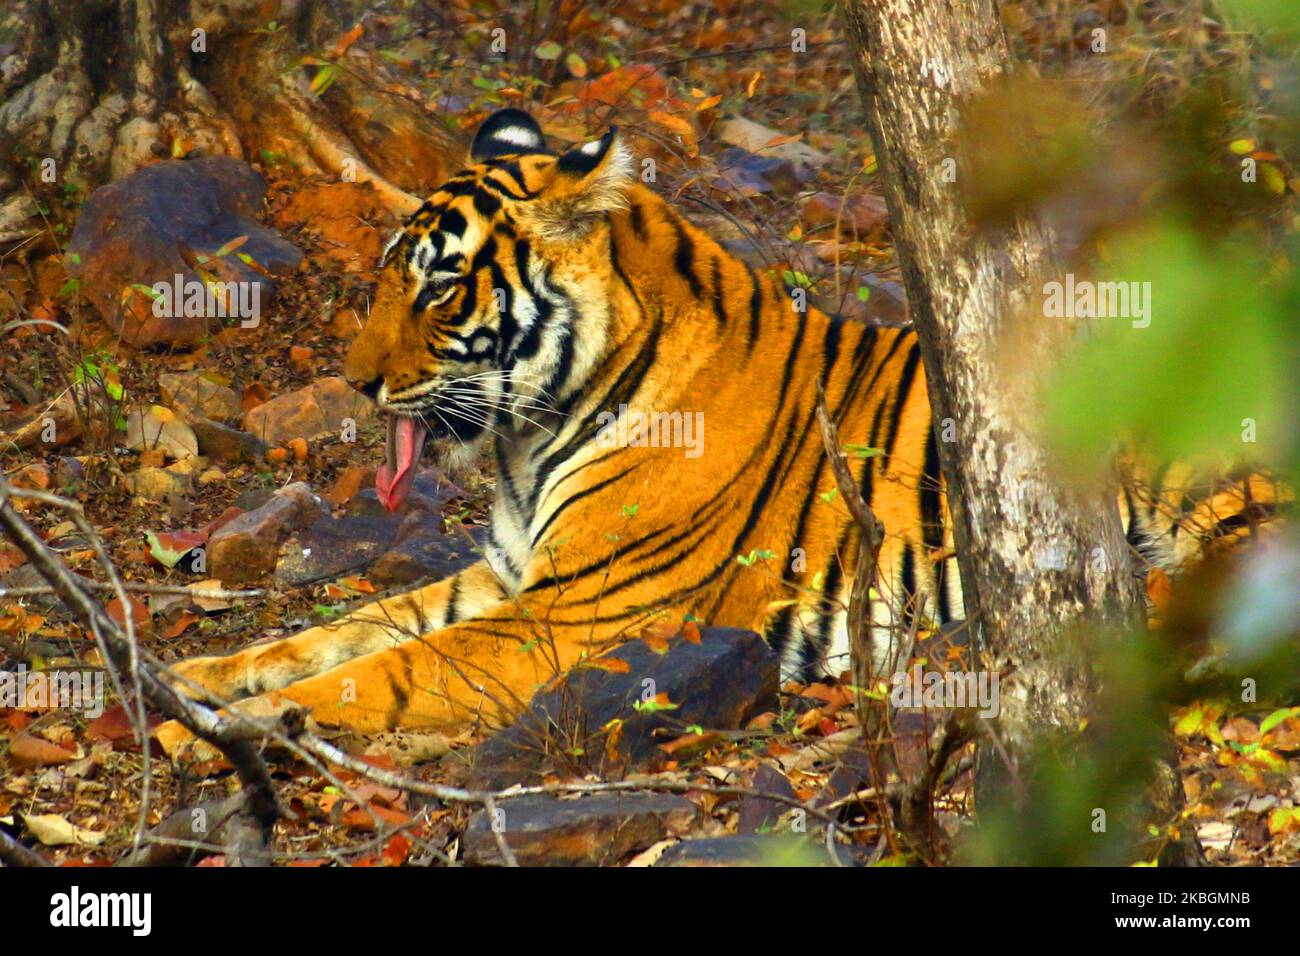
<point>182,746</point>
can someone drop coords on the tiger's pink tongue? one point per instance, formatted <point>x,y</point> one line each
<point>395,476</point>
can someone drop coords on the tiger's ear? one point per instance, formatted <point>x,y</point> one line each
<point>589,181</point>
<point>505,132</point>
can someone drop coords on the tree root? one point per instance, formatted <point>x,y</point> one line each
<point>247,94</point>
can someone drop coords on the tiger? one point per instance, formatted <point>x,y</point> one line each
<point>650,402</point>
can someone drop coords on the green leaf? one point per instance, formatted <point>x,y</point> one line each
<point>324,79</point>
<point>1275,718</point>
<point>1173,380</point>
<point>863,451</point>
<point>550,50</point>
<point>1273,178</point>
<point>230,247</point>
<point>651,706</point>
<point>864,293</point>
<point>168,548</point>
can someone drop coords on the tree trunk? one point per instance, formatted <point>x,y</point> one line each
<point>102,87</point>
<point>1037,560</point>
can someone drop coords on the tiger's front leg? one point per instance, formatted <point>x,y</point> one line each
<point>486,667</point>
<point>375,627</point>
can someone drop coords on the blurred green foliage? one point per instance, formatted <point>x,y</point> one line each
<point>1160,198</point>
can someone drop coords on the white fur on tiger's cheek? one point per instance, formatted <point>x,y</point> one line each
<point>390,246</point>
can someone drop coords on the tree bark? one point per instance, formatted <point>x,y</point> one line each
<point>1038,561</point>
<point>102,87</point>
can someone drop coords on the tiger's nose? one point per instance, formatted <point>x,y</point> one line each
<point>369,389</point>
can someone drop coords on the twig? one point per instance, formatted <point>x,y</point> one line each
<point>135,587</point>
<point>233,736</point>
<point>15,854</point>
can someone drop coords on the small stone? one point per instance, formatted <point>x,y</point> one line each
<point>249,546</point>
<point>198,394</point>
<point>227,444</point>
<point>188,466</point>
<point>754,137</point>
<point>300,358</point>
<point>69,473</point>
<point>758,814</point>
<point>159,428</point>
<point>34,477</point>
<point>860,215</point>
<point>156,484</point>
<point>54,425</point>
<point>324,406</point>
<point>599,829</point>
<point>756,175</point>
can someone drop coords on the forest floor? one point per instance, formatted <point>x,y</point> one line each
<point>670,77</point>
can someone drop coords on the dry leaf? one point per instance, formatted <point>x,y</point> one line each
<point>31,751</point>
<point>54,830</point>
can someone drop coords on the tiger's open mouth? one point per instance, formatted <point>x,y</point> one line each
<point>393,480</point>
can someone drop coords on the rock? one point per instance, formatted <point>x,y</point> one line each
<point>26,576</point>
<point>140,230</point>
<point>862,216</point>
<point>249,546</point>
<point>300,358</point>
<point>594,830</point>
<point>330,548</point>
<point>320,407</point>
<point>56,424</point>
<point>753,175</point>
<point>189,466</point>
<point>754,850</point>
<point>160,428</point>
<point>758,814</point>
<point>431,555</point>
<point>69,473</point>
<point>197,395</point>
<point>716,684</point>
<point>227,444</point>
<point>754,137</point>
<point>156,484</point>
<point>34,477</point>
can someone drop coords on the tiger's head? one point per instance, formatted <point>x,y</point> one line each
<point>492,297</point>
